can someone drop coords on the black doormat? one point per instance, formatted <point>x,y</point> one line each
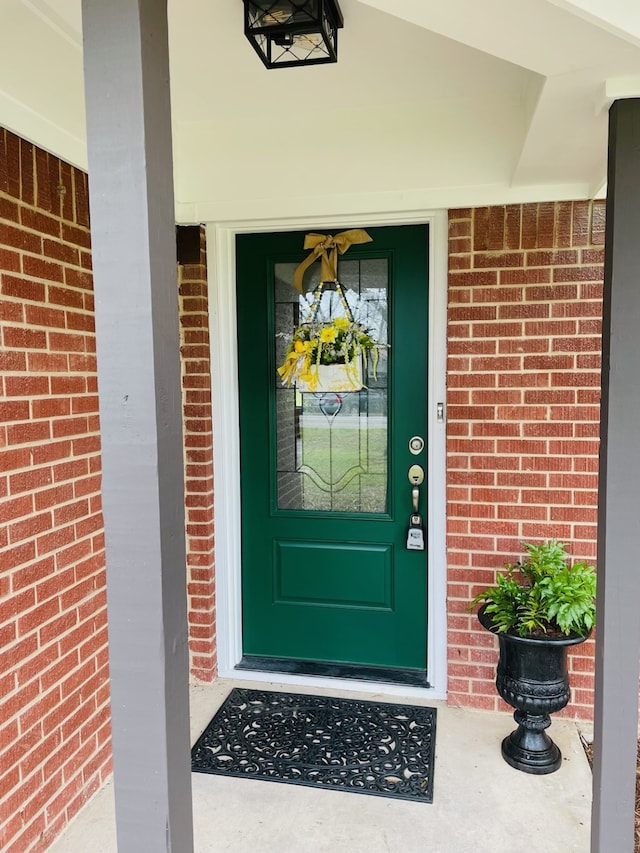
<point>375,748</point>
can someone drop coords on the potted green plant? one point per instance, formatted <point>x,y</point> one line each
<point>538,607</point>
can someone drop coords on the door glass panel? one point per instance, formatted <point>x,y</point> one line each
<point>332,447</point>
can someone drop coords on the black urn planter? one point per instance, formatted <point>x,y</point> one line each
<point>533,678</point>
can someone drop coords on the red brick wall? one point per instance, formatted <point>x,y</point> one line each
<point>54,692</point>
<point>198,439</point>
<point>523,392</point>
<point>525,302</point>
<point>54,711</point>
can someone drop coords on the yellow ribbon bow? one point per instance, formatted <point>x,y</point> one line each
<point>326,247</point>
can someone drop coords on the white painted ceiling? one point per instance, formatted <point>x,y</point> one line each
<point>431,104</point>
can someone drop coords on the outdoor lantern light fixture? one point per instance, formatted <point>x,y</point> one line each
<point>293,32</point>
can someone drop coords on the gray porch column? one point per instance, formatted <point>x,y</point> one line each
<point>618,616</point>
<point>134,255</point>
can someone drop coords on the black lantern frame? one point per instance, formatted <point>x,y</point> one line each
<point>286,33</point>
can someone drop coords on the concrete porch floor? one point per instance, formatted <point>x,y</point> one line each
<point>480,803</point>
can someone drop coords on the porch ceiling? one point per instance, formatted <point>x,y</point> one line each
<point>431,104</point>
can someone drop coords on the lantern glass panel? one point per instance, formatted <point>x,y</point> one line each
<point>306,47</point>
<point>284,13</point>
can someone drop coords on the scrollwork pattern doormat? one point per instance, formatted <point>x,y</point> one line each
<point>367,747</point>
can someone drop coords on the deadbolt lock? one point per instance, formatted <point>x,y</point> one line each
<point>416,444</point>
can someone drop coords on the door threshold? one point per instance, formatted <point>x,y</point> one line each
<point>382,675</point>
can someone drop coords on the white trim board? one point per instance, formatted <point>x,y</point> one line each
<point>224,380</point>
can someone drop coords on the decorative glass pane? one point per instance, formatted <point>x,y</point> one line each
<point>332,446</point>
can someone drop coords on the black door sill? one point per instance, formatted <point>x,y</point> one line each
<point>409,677</point>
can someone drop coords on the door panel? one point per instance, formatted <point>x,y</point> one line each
<point>335,574</point>
<point>325,495</point>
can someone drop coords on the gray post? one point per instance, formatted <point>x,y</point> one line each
<point>618,615</point>
<point>134,255</point>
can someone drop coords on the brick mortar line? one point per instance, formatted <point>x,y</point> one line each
<point>50,418</point>
<point>63,374</point>
<point>517,488</point>
<point>55,529</point>
<point>494,438</point>
<point>34,208</point>
<point>71,565</point>
<point>67,373</point>
<point>58,374</point>
<point>58,461</point>
<point>528,371</point>
<point>46,303</point>
<point>47,259</point>
<point>58,240</point>
<point>51,508</point>
<point>567,318</point>
<point>10,448</point>
<point>53,306</point>
<point>27,445</point>
<point>456,325</point>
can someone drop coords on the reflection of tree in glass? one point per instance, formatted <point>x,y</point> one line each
<point>368,309</point>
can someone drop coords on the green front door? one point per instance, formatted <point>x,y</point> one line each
<point>327,579</point>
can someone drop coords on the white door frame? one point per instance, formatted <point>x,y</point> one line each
<point>226,429</point>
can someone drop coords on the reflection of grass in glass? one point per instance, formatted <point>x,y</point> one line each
<point>364,493</point>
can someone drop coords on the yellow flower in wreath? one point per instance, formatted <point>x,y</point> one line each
<point>328,335</point>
